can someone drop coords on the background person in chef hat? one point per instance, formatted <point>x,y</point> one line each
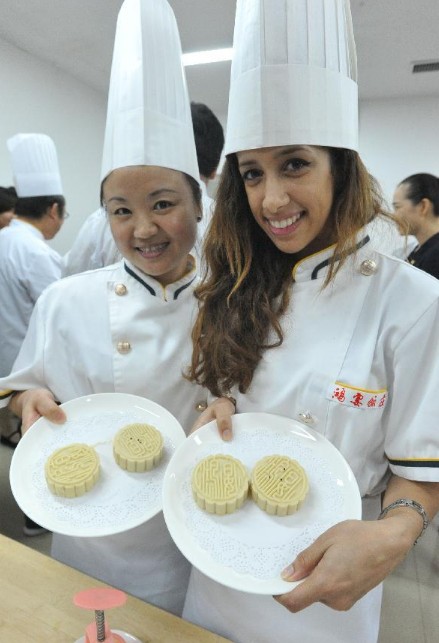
<point>126,327</point>
<point>320,333</point>
<point>27,263</point>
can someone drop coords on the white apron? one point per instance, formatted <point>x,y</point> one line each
<point>76,346</point>
<point>362,368</point>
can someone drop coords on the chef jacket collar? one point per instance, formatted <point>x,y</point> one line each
<point>316,266</point>
<point>171,292</point>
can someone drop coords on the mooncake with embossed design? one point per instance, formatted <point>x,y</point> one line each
<point>220,484</point>
<point>279,485</point>
<point>138,447</point>
<point>72,470</point>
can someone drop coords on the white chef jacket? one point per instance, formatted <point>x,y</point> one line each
<point>27,266</point>
<point>94,246</point>
<point>359,363</point>
<point>76,345</point>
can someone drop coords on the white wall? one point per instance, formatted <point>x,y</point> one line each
<point>399,137</point>
<point>37,97</point>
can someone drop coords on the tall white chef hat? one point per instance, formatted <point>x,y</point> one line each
<point>149,117</point>
<point>34,165</point>
<point>293,78</point>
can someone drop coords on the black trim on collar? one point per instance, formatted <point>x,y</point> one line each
<point>179,290</point>
<point>415,463</point>
<point>133,274</point>
<point>325,263</point>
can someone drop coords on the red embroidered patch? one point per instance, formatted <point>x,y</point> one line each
<point>357,397</point>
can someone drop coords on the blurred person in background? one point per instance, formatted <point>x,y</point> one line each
<point>27,263</point>
<point>416,205</point>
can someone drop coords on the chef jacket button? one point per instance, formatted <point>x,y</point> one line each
<point>123,347</point>
<point>120,289</point>
<point>201,406</point>
<point>306,417</point>
<point>368,267</point>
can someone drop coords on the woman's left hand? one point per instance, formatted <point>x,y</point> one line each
<point>346,562</point>
<point>221,410</point>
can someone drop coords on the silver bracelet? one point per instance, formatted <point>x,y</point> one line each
<point>406,502</point>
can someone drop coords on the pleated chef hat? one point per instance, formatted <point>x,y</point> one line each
<point>149,117</point>
<point>34,165</point>
<point>293,78</point>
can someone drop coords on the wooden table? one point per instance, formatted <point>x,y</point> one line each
<point>36,605</point>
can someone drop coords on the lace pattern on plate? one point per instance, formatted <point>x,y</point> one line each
<point>119,496</point>
<point>249,540</point>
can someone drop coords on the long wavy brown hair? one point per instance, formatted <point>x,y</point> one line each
<point>247,284</point>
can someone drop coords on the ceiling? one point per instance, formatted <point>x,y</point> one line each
<point>77,36</point>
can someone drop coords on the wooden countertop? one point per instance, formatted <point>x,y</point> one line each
<point>36,605</point>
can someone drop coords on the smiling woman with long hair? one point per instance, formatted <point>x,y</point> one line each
<point>253,275</point>
<point>301,315</point>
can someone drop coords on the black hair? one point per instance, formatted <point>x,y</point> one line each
<point>35,207</point>
<point>209,138</point>
<point>423,186</point>
<point>8,199</point>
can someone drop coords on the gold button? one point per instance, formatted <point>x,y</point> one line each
<point>368,267</point>
<point>123,347</point>
<point>120,289</point>
<point>201,406</point>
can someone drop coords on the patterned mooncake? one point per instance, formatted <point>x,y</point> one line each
<point>220,484</point>
<point>72,470</point>
<point>138,447</point>
<point>279,485</point>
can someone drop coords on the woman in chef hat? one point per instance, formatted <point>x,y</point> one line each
<point>302,317</point>
<point>126,327</point>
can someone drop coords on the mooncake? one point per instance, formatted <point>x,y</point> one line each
<point>72,470</point>
<point>220,484</point>
<point>138,447</point>
<point>279,485</point>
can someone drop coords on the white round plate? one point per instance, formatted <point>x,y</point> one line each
<point>120,500</point>
<point>248,549</point>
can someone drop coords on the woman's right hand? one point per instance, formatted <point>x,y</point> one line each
<point>35,403</point>
<point>220,410</point>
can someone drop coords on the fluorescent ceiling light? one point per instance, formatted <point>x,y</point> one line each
<point>209,56</point>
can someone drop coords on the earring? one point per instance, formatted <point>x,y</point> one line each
<point>199,217</point>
